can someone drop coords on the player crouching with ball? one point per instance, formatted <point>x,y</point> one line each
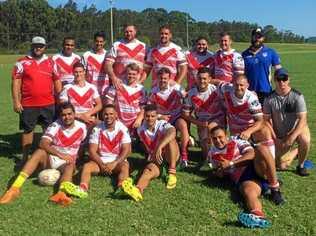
<point>58,149</point>
<point>236,158</point>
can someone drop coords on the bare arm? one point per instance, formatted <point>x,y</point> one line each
<point>188,117</point>
<point>167,138</point>
<point>46,145</point>
<point>146,72</point>
<point>108,66</point>
<point>296,131</point>
<point>254,128</point>
<point>16,95</point>
<point>94,156</point>
<point>58,86</point>
<point>248,156</point>
<point>182,72</point>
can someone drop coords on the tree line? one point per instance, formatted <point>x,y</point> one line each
<point>20,20</point>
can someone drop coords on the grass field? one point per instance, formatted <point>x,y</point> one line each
<point>198,206</point>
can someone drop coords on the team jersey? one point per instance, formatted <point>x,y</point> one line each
<point>197,61</point>
<point>37,77</point>
<point>82,98</point>
<point>66,140</point>
<point>109,142</point>
<point>258,68</point>
<point>151,139</point>
<point>168,102</point>
<point>123,53</point>
<point>206,105</point>
<point>241,113</point>
<point>169,56</point>
<point>128,101</point>
<point>234,150</point>
<point>96,75</point>
<point>65,66</point>
<point>227,65</point>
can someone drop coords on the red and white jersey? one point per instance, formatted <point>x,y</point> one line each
<point>168,102</point>
<point>65,66</point>
<point>197,61</point>
<point>169,56</point>
<point>234,150</point>
<point>152,138</point>
<point>128,101</point>
<point>206,105</point>
<point>94,64</point>
<point>37,80</point>
<point>227,65</point>
<point>240,112</point>
<point>82,98</point>
<point>109,142</point>
<point>66,140</point>
<point>123,53</point>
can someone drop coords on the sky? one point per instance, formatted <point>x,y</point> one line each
<point>295,15</point>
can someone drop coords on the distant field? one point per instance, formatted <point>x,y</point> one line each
<point>198,206</point>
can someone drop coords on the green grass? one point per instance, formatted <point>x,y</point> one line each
<point>198,206</point>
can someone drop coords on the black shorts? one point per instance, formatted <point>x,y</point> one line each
<point>250,174</point>
<point>31,116</point>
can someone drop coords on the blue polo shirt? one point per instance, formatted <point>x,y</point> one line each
<point>258,68</point>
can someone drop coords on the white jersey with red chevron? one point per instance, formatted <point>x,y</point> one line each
<point>240,111</point>
<point>227,65</point>
<point>123,53</point>
<point>109,141</point>
<point>66,140</point>
<point>234,149</point>
<point>151,139</point>
<point>96,75</point>
<point>82,98</point>
<point>169,56</point>
<point>195,62</point>
<point>128,101</point>
<point>65,66</point>
<point>168,102</point>
<point>206,105</point>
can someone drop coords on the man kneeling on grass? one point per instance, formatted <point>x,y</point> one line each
<point>109,147</point>
<point>236,158</point>
<point>159,139</point>
<point>58,150</point>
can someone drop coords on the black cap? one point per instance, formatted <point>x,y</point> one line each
<point>280,73</point>
<point>258,32</point>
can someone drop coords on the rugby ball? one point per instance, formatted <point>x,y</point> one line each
<point>48,177</point>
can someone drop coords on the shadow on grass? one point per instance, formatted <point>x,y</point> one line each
<point>10,147</point>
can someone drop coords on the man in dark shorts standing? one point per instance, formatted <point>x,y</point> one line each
<point>34,78</point>
<point>258,62</point>
<point>286,111</point>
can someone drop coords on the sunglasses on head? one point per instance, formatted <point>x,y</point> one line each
<point>282,78</point>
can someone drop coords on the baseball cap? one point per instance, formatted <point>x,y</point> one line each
<point>257,32</point>
<point>38,40</point>
<point>281,74</point>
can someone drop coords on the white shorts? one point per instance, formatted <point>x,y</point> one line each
<point>56,162</point>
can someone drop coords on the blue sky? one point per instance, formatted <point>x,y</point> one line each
<point>297,16</point>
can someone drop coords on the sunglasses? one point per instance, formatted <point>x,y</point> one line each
<point>282,78</point>
<point>38,45</point>
<point>70,45</point>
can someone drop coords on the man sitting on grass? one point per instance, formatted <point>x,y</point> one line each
<point>58,150</point>
<point>159,139</point>
<point>245,119</point>
<point>109,146</point>
<point>236,158</point>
